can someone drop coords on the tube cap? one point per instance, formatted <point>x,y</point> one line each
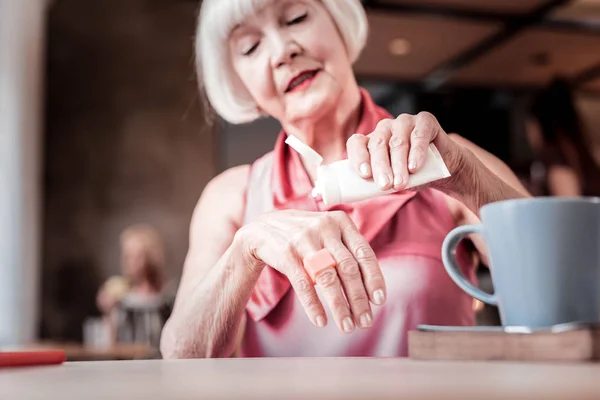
<point>304,150</point>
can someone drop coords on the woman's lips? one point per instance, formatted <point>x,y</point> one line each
<point>302,81</point>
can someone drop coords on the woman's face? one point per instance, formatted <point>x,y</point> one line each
<point>133,258</point>
<point>292,59</point>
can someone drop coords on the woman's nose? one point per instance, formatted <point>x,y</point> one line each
<point>284,52</point>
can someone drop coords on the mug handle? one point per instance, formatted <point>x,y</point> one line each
<point>450,263</point>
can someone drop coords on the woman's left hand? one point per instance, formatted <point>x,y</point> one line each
<point>398,147</point>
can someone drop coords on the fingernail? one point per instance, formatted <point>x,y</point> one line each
<point>320,321</point>
<point>365,169</point>
<point>383,181</point>
<point>397,180</point>
<point>348,325</point>
<point>412,163</point>
<point>366,320</point>
<point>379,297</point>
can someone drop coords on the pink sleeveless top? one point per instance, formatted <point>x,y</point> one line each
<point>406,231</point>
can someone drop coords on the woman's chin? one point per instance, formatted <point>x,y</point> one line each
<point>310,105</point>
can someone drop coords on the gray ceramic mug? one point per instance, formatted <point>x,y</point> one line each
<point>544,257</point>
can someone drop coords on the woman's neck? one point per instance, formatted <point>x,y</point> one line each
<point>328,135</point>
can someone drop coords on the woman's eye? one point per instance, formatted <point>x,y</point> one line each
<point>251,49</point>
<point>297,20</point>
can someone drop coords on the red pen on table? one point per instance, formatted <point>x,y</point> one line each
<point>31,358</point>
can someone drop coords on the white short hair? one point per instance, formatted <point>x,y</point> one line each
<point>225,91</point>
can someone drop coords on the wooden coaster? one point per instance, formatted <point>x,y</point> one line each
<point>581,344</point>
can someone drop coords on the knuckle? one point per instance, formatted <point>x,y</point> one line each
<point>311,303</point>
<point>355,139</point>
<point>364,253</point>
<point>404,118</point>
<point>301,284</point>
<point>417,150</point>
<point>359,299</point>
<point>421,132</point>
<point>327,278</point>
<point>397,142</point>
<point>349,267</point>
<point>339,306</point>
<point>426,126</point>
<point>383,124</point>
<point>376,142</point>
<point>337,216</point>
<point>425,116</point>
<point>327,220</point>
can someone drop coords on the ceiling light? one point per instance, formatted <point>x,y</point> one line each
<point>399,47</point>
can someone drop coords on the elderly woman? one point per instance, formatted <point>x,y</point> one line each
<point>245,289</point>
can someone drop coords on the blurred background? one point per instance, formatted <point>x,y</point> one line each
<point>105,145</point>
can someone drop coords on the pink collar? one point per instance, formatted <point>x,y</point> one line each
<point>291,187</point>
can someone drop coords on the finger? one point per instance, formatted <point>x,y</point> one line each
<point>399,147</point>
<point>380,154</point>
<point>425,131</point>
<point>333,292</point>
<point>331,287</point>
<point>367,260</point>
<point>351,279</point>
<point>306,245</point>
<point>358,154</point>
<point>305,290</point>
<point>285,258</point>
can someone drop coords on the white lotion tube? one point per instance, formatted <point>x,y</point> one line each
<point>338,183</point>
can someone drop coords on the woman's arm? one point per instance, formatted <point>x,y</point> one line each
<point>493,163</point>
<point>217,278</point>
<point>461,213</point>
<point>398,147</point>
<point>224,263</point>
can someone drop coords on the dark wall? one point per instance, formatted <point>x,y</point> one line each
<point>482,116</point>
<point>126,142</point>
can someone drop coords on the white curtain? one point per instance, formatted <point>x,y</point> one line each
<point>21,75</point>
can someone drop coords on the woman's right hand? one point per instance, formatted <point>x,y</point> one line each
<point>111,293</point>
<point>282,240</point>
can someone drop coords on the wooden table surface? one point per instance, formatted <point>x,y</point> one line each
<point>301,378</point>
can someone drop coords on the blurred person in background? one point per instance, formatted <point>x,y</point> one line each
<point>244,288</point>
<point>564,164</point>
<point>137,303</point>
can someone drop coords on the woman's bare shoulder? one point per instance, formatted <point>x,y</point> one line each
<point>232,178</point>
<point>224,195</point>
<point>215,220</point>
